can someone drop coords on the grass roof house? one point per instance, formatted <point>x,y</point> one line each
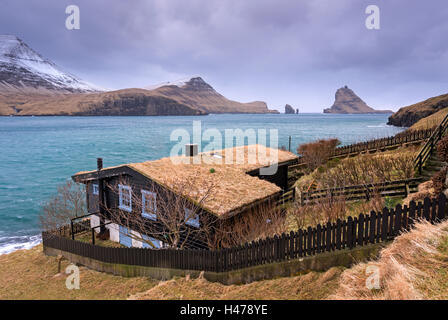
<point>220,184</point>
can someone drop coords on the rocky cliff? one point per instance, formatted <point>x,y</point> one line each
<point>127,102</point>
<point>407,116</point>
<point>289,109</point>
<point>198,94</point>
<point>346,101</point>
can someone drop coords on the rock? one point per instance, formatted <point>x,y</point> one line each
<point>346,101</point>
<point>289,109</point>
<point>407,116</point>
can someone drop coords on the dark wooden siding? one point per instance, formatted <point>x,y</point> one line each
<point>140,182</point>
<point>280,178</point>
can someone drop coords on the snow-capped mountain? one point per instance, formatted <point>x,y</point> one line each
<point>178,83</point>
<point>24,70</point>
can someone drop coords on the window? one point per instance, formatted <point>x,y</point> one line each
<point>149,205</point>
<point>190,219</point>
<point>156,244</point>
<point>95,189</point>
<point>125,198</point>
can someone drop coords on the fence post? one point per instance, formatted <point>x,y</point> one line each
<point>441,208</point>
<point>350,232</point>
<point>71,228</point>
<point>372,227</point>
<point>328,243</point>
<point>318,238</point>
<point>384,227</point>
<point>397,224</point>
<point>309,240</point>
<point>427,209</point>
<point>300,243</point>
<point>93,236</point>
<point>361,229</point>
<point>338,234</point>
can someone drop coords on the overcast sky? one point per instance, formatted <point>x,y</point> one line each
<point>279,51</point>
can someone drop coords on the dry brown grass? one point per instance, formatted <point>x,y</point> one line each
<point>29,274</point>
<point>313,285</point>
<point>363,169</point>
<point>414,266</point>
<point>431,121</point>
<point>424,190</point>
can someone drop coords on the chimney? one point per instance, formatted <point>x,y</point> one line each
<point>99,163</point>
<point>191,150</point>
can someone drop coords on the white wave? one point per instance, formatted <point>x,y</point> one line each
<point>14,246</point>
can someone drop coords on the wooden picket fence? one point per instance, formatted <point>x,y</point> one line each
<point>375,227</point>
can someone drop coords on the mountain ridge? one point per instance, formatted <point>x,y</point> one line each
<point>198,93</point>
<point>33,85</point>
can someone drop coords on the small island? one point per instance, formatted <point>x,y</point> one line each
<point>347,102</point>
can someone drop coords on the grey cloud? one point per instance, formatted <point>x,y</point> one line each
<point>279,51</point>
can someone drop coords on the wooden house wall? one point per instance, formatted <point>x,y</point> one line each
<point>280,178</point>
<point>137,182</point>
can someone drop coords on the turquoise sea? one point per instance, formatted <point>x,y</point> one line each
<point>38,153</point>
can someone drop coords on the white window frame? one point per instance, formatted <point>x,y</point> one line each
<point>95,189</point>
<point>149,196</point>
<point>189,221</point>
<point>121,190</point>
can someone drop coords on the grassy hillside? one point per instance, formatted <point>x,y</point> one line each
<point>29,274</point>
<point>414,266</point>
<point>36,276</point>
<point>431,121</point>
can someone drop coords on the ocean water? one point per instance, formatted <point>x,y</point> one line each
<point>38,153</point>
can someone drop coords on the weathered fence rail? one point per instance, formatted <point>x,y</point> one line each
<point>366,191</point>
<point>404,138</point>
<point>373,228</point>
<point>384,143</point>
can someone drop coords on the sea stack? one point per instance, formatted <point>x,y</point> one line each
<point>289,109</point>
<point>347,102</point>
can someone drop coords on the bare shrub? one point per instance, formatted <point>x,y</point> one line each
<point>442,149</point>
<point>438,181</point>
<point>170,220</point>
<point>263,221</point>
<point>69,202</point>
<point>329,209</point>
<point>317,153</point>
<point>366,170</point>
<point>323,210</point>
